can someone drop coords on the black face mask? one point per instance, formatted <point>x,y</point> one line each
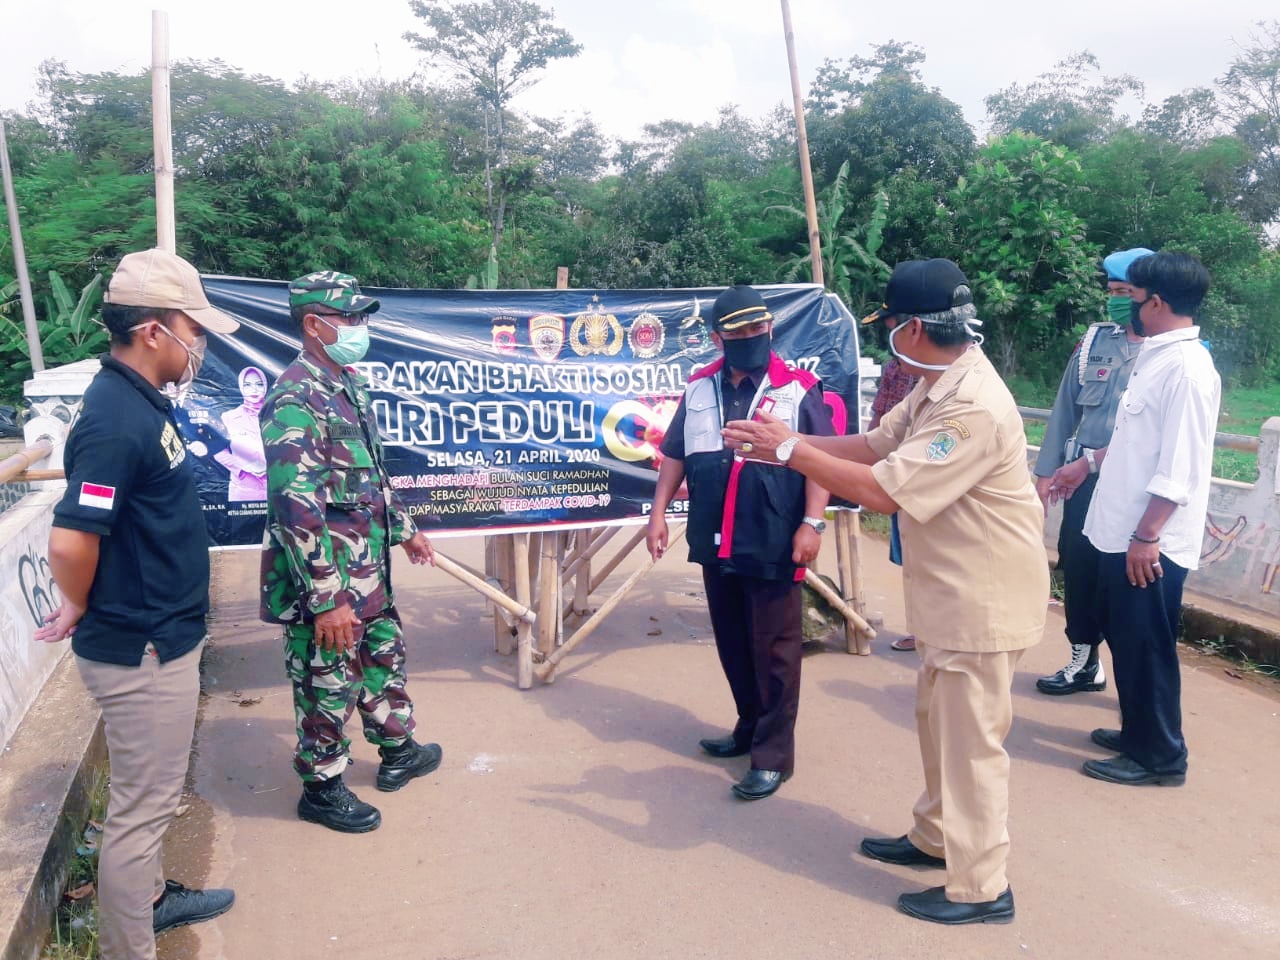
<point>1135,321</point>
<point>749,355</point>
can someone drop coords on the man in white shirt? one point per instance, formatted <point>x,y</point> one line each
<point>1147,517</point>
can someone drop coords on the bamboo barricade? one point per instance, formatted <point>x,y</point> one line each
<point>851,616</point>
<point>546,669</point>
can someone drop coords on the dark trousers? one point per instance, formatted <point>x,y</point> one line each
<point>758,631</point>
<point>1078,561</point>
<point>1142,627</point>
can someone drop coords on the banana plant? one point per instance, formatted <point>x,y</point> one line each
<point>850,264</point>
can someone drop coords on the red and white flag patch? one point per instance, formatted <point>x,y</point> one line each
<point>97,495</point>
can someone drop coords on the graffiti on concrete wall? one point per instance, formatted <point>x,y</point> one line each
<point>1251,549</point>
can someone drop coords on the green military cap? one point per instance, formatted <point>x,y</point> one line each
<point>341,291</point>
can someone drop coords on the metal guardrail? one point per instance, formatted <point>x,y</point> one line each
<point>1226,441</point>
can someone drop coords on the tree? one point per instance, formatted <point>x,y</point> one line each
<point>1250,97</point>
<point>1033,272</point>
<point>877,115</point>
<point>496,48</point>
<point>1062,105</point>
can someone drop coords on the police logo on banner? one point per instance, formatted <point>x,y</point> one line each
<point>504,334</point>
<point>596,332</point>
<point>940,447</point>
<point>646,336</point>
<point>546,333</point>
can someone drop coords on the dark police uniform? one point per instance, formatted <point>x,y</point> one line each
<point>129,482</point>
<point>1083,417</point>
<point>742,518</point>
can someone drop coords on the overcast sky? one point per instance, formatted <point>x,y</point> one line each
<point>654,59</point>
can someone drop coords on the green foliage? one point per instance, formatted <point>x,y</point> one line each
<point>1024,251</point>
<point>70,332</point>
<point>1063,105</point>
<point>851,267</point>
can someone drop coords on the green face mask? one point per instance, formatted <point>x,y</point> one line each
<point>1118,310</point>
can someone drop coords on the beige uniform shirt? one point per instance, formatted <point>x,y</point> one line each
<point>954,458</point>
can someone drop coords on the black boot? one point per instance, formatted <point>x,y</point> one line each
<point>1083,673</point>
<point>401,764</point>
<point>331,804</point>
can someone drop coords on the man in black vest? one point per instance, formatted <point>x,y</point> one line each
<point>753,527</point>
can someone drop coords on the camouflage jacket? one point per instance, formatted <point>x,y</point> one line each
<point>332,516</point>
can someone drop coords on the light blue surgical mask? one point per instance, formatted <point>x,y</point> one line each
<point>350,347</point>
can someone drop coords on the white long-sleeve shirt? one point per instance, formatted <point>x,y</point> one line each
<point>1162,446</point>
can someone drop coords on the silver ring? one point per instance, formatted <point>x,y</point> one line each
<point>747,447</point>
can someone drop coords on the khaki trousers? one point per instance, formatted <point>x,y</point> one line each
<point>149,715</point>
<point>964,708</point>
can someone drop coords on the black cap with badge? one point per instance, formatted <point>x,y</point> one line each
<point>923,286</point>
<point>738,306</point>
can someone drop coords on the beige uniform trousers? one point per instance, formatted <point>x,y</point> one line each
<point>149,715</point>
<point>964,708</point>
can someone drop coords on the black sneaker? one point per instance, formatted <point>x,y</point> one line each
<point>179,906</point>
<point>401,764</point>
<point>333,805</point>
<point>1078,676</point>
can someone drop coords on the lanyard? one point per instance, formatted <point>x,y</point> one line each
<point>755,401</point>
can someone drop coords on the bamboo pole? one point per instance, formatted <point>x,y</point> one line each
<point>616,559</point>
<point>162,132</point>
<point>524,632</point>
<point>850,615</point>
<point>549,592</point>
<point>11,468</point>
<point>857,599</point>
<point>547,667</point>
<point>20,258</point>
<point>802,141</point>
<point>462,574</point>
<point>597,543</point>
<point>35,476</point>
<point>504,573</point>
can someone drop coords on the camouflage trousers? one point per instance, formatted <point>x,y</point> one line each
<point>327,686</point>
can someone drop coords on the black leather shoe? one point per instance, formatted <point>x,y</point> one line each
<point>724,747</point>
<point>179,906</point>
<point>933,905</point>
<point>1127,771</point>
<point>1107,739</point>
<point>899,850</point>
<point>758,784</point>
<point>401,764</point>
<point>333,805</point>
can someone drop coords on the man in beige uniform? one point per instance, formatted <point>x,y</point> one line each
<point>952,458</point>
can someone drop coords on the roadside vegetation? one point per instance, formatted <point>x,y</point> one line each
<point>448,185</point>
<point>75,924</point>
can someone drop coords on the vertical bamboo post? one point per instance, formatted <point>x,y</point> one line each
<point>582,579</point>
<point>548,625</point>
<point>802,141</point>
<point>498,564</point>
<point>20,258</point>
<point>847,529</point>
<point>524,633</point>
<point>162,132</point>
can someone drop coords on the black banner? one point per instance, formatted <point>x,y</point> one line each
<point>500,410</point>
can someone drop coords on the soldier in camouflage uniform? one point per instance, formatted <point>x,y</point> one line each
<point>332,518</point>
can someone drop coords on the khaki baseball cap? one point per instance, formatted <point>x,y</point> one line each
<point>157,278</point>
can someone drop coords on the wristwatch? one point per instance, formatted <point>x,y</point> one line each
<point>1093,464</point>
<point>816,522</point>
<point>786,448</point>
